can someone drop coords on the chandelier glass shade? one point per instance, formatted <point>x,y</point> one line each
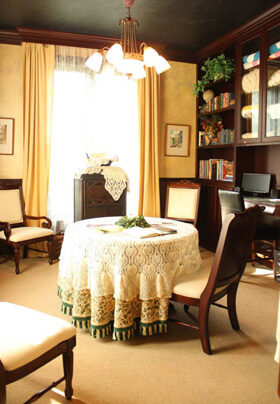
<point>125,56</point>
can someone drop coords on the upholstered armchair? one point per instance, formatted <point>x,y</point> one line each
<point>14,231</point>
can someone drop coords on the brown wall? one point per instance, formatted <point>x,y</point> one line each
<point>178,106</point>
<point>11,106</point>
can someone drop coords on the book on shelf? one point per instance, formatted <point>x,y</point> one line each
<point>146,232</point>
<point>225,136</point>
<point>221,101</point>
<point>216,169</point>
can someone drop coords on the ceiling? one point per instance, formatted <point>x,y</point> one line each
<point>184,24</point>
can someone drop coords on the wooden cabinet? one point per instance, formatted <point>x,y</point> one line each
<point>91,199</point>
<point>255,116</point>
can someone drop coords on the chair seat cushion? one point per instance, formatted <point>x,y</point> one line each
<point>192,285</point>
<point>26,233</point>
<point>26,334</point>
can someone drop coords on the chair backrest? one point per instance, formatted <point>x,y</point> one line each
<point>182,201</point>
<point>233,248</point>
<point>11,205</point>
<point>231,202</point>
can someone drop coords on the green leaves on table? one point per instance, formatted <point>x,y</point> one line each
<point>128,222</point>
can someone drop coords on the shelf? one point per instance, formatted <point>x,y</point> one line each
<point>217,111</point>
<point>217,146</point>
<point>220,82</point>
<point>275,62</point>
<point>207,180</point>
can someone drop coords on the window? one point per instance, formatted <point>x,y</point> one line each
<point>92,113</point>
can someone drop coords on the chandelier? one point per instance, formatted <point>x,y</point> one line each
<point>125,56</point>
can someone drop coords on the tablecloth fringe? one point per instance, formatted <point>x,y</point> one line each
<point>66,308</point>
<point>59,291</point>
<point>101,331</point>
<point>79,322</point>
<point>158,327</point>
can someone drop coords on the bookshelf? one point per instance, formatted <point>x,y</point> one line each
<point>254,118</point>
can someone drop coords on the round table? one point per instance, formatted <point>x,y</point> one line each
<point>116,284</point>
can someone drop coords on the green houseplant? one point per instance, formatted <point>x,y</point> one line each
<point>220,67</point>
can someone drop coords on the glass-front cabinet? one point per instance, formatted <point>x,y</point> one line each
<point>272,128</point>
<point>250,91</point>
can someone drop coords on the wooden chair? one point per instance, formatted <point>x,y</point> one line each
<point>277,352</point>
<point>265,237</point>
<point>14,231</point>
<point>30,339</point>
<point>208,285</point>
<point>182,201</point>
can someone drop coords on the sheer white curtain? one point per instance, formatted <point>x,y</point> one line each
<point>92,113</point>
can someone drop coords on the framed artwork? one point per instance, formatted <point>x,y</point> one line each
<point>7,135</point>
<point>177,140</point>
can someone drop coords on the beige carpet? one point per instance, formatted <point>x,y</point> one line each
<point>162,369</point>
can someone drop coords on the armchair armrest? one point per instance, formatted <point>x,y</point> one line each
<point>7,229</point>
<point>46,225</point>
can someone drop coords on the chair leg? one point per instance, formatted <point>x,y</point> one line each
<point>50,250</point>
<point>25,251</point>
<point>68,373</point>
<point>16,255</point>
<point>204,327</point>
<point>2,394</point>
<point>231,303</point>
<point>253,254</point>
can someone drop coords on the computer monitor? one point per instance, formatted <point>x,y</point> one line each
<point>256,183</point>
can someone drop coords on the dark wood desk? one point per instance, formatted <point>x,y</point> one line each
<point>270,219</point>
<point>272,206</point>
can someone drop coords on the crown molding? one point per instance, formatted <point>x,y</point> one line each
<point>64,38</point>
<point>9,37</point>
<point>23,34</point>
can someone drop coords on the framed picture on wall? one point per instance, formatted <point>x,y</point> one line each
<point>177,140</point>
<point>7,135</point>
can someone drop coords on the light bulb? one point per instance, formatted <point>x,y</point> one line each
<point>128,66</point>
<point>114,54</point>
<point>94,62</point>
<point>139,73</point>
<point>161,65</point>
<point>150,56</point>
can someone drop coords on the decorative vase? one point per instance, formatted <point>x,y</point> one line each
<point>208,95</point>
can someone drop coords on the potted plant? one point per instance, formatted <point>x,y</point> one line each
<point>220,67</point>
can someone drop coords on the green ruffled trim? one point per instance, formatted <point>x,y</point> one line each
<point>66,308</point>
<point>81,322</point>
<point>157,327</point>
<point>59,291</point>
<point>101,331</point>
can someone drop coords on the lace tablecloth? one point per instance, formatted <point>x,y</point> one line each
<point>113,283</point>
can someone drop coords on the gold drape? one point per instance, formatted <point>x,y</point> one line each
<point>149,129</point>
<point>39,61</point>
